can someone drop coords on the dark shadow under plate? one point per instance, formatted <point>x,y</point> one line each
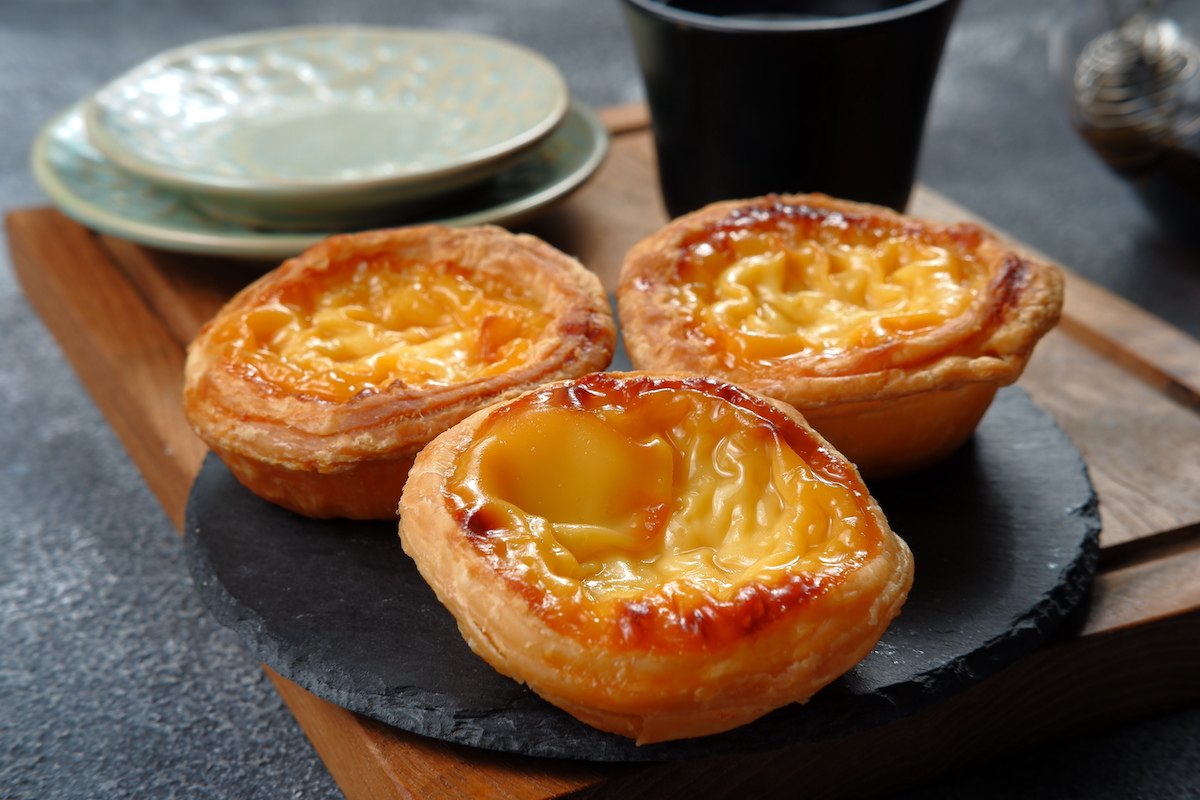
<point>1004,535</point>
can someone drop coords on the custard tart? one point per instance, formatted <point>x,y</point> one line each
<point>661,556</point>
<point>890,334</point>
<point>318,383</point>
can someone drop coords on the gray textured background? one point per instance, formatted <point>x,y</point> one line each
<point>113,680</point>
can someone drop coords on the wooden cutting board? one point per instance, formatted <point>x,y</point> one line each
<point>1122,383</point>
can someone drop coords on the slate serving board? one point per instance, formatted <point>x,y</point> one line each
<point>1004,535</point>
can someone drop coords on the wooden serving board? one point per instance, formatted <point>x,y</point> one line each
<point>1122,383</point>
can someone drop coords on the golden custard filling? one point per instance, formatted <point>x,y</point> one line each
<point>607,496</point>
<point>377,323</point>
<point>771,294</point>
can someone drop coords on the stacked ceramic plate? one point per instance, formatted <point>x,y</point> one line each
<point>259,145</point>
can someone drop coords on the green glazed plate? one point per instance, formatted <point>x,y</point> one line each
<point>89,188</point>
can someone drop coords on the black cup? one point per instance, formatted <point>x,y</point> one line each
<point>750,97</point>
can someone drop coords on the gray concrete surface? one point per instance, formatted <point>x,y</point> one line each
<point>115,683</point>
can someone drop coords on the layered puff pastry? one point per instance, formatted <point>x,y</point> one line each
<point>319,383</point>
<point>891,334</point>
<point>661,556</point>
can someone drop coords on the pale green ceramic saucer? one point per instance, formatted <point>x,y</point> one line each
<point>92,190</point>
<point>319,125</point>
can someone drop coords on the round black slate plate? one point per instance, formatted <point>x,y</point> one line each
<point>1004,535</point>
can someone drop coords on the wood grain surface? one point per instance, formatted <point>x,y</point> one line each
<point>1122,383</point>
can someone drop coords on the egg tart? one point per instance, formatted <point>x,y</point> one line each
<point>661,556</point>
<point>891,334</point>
<point>318,383</point>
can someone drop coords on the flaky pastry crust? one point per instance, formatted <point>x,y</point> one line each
<point>693,613</point>
<point>893,393</point>
<point>300,433</point>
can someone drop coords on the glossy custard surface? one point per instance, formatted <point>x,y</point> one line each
<point>659,504</point>
<point>364,326</point>
<point>785,282</point>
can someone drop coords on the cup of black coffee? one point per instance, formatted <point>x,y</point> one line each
<point>750,97</point>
